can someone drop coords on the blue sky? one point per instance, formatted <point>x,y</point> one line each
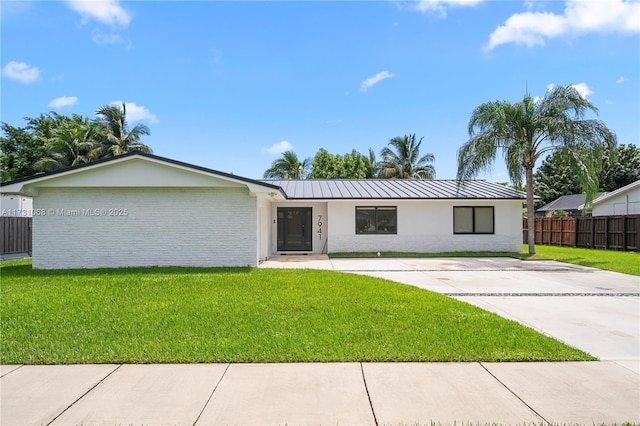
<point>229,85</point>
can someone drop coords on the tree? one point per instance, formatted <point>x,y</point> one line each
<point>403,161</point>
<point>352,165</point>
<point>288,167</point>
<point>355,165</point>
<point>622,169</point>
<point>71,144</point>
<point>20,152</point>
<point>118,138</point>
<point>327,166</point>
<point>528,129</point>
<point>372,167</point>
<point>555,178</point>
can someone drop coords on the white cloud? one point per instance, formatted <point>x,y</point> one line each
<point>105,11</point>
<point>583,89</point>
<point>105,39</point>
<point>136,112</point>
<point>622,79</point>
<point>579,17</point>
<point>439,7</point>
<point>371,81</point>
<point>63,101</point>
<point>279,148</point>
<point>21,72</point>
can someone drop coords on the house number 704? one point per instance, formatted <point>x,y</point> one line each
<point>320,226</point>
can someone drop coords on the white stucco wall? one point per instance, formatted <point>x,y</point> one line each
<point>622,204</point>
<point>319,221</point>
<point>425,226</point>
<point>162,226</point>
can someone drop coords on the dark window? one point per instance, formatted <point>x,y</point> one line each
<point>473,220</point>
<point>376,220</point>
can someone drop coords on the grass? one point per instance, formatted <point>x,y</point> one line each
<point>609,260</point>
<point>188,315</point>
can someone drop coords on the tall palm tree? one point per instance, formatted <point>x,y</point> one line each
<point>526,130</point>
<point>288,167</point>
<point>405,162</point>
<point>118,138</point>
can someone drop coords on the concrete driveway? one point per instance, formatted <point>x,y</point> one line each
<point>590,309</point>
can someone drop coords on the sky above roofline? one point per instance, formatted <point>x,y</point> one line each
<point>231,85</point>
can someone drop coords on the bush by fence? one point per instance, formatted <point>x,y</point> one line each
<point>601,232</point>
<point>16,235</point>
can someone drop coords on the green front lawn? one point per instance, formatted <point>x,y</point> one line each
<point>618,261</point>
<point>162,315</point>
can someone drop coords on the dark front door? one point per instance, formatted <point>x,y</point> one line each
<point>294,229</point>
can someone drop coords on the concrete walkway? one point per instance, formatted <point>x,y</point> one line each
<point>594,310</point>
<point>319,394</point>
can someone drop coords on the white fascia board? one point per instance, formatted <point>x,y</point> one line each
<point>612,194</point>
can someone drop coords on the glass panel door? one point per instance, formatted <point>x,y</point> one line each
<point>294,229</point>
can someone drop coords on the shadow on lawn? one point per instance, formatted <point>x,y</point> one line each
<point>584,262</point>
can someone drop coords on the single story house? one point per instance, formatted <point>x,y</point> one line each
<point>622,201</point>
<point>572,204</point>
<point>144,210</point>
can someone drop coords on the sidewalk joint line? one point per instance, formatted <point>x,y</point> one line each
<point>224,373</point>
<point>366,388</point>
<point>15,369</point>
<point>85,394</point>
<point>515,394</point>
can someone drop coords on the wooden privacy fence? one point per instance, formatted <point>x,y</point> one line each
<point>16,235</point>
<point>602,232</point>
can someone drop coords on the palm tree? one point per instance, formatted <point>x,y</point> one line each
<point>404,162</point>
<point>526,130</point>
<point>372,167</point>
<point>71,144</point>
<point>119,139</point>
<point>288,167</point>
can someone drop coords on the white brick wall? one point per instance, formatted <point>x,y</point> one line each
<point>425,226</point>
<point>164,227</point>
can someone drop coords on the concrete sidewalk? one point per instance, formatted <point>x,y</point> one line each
<point>319,394</point>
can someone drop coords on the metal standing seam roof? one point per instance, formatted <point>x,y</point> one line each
<point>394,189</point>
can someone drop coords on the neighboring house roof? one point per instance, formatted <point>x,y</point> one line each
<point>394,189</point>
<point>17,185</point>
<point>608,195</point>
<point>566,203</point>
